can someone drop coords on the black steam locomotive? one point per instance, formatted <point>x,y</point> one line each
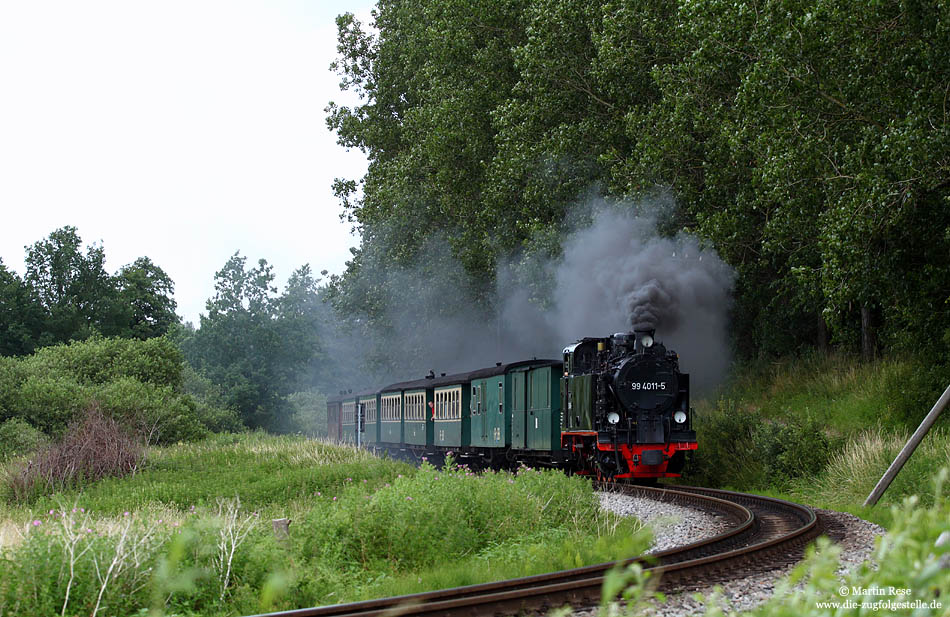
<point>615,407</point>
<point>626,406</point>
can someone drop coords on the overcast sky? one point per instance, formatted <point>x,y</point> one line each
<point>179,130</point>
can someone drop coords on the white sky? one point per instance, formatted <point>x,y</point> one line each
<point>179,130</point>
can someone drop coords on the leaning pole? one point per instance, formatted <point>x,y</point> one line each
<point>909,448</point>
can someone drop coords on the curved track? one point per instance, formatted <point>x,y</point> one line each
<point>764,534</point>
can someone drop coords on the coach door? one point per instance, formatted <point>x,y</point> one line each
<point>518,406</point>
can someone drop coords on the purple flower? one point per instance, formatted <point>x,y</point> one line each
<point>334,499</point>
<point>408,498</point>
<point>36,523</point>
<point>126,514</point>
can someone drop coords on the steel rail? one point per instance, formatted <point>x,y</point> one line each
<point>710,559</point>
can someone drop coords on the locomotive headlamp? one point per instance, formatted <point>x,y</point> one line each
<point>646,340</point>
<point>613,417</point>
<point>680,417</point>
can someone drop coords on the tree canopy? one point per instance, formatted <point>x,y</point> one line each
<point>807,141</point>
<point>66,294</point>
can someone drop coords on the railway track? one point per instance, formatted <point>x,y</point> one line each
<point>763,534</point>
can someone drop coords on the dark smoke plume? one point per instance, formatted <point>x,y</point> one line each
<point>613,275</point>
<point>619,274</point>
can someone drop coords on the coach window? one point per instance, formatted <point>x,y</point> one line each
<point>501,397</point>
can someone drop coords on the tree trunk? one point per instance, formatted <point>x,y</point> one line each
<point>822,335</point>
<point>867,334</point>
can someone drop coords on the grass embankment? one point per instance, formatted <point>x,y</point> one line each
<point>190,534</point>
<point>822,430</point>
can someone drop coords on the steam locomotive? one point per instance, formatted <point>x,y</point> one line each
<point>613,407</point>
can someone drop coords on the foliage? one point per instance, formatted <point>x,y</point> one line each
<point>67,294</point>
<point>854,469</point>
<point>792,450</point>
<point>178,540</point>
<point>21,316</point>
<point>137,382</point>
<point>258,348</point>
<point>808,141</point>
<point>18,438</point>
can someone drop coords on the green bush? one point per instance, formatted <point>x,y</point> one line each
<point>791,450</point>
<point>157,412</point>
<point>138,382</point>
<point>51,401</point>
<point>725,455</point>
<point>18,437</point>
<point>12,376</point>
<point>97,360</point>
<point>436,515</point>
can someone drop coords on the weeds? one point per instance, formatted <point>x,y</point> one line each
<point>164,540</point>
<point>93,448</point>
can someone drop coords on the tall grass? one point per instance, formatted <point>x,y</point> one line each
<point>189,534</point>
<point>822,428</point>
<point>853,471</point>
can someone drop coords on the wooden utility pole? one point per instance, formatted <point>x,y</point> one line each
<point>909,448</point>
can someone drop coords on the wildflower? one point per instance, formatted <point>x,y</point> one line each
<point>74,510</point>
<point>408,498</point>
<point>126,514</point>
<point>52,511</point>
<point>159,521</point>
<point>334,499</point>
<point>83,510</point>
<point>319,494</point>
<point>36,523</point>
<point>364,480</point>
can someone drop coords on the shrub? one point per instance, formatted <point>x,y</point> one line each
<point>18,437</point>
<point>156,412</point>
<point>51,401</point>
<point>100,360</point>
<point>12,375</point>
<point>725,456</point>
<point>790,450</point>
<point>95,447</point>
